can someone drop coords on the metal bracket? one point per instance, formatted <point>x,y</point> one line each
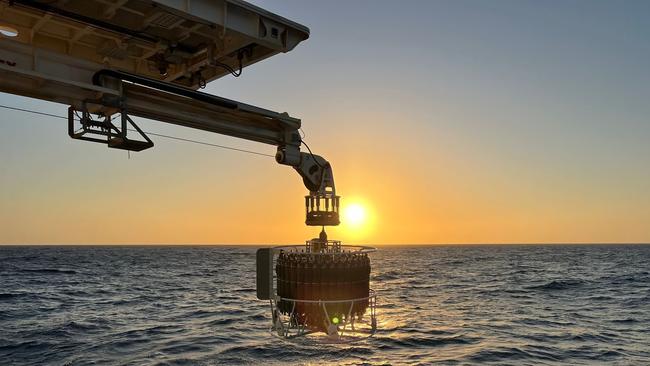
<point>96,124</point>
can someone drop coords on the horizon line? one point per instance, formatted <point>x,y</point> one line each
<point>282,244</point>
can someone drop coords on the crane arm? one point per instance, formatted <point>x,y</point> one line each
<point>147,58</point>
<point>315,171</point>
<point>154,99</point>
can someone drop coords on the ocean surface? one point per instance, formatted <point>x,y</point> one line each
<point>455,305</point>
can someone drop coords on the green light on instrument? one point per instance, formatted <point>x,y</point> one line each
<point>335,320</point>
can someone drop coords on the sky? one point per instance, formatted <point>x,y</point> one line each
<point>445,122</point>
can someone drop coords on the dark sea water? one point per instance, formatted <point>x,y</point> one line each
<point>456,305</point>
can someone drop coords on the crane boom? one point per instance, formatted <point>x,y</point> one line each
<point>147,58</point>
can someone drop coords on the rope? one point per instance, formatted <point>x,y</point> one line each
<point>152,134</point>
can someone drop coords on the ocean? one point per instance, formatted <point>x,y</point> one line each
<point>449,305</point>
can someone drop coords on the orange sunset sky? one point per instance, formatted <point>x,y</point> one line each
<point>444,121</point>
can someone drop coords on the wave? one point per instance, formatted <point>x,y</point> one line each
<point>200,313</point>
<point>27,347</point>
<point>625,321</point>
<point>590,353</point>
<point>84,327</point>
<point>557,285</point>
<point>50,270</point>
<point>257,317</point>
<point>9,296</point>
<point>637,301</point>
<point>385,277</point>
<point>245,354</point>
<point>249,289</point>
<point>500,355</point>
<point>424,342</point>
<point>544,322</point>
<point>224,321</point>
<point>589,337</point>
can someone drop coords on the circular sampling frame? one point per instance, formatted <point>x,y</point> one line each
<point>323,287</point>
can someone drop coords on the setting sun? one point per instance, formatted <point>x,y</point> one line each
<point>354,214</point>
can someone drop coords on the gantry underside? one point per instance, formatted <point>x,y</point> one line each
<point>179,41</point>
